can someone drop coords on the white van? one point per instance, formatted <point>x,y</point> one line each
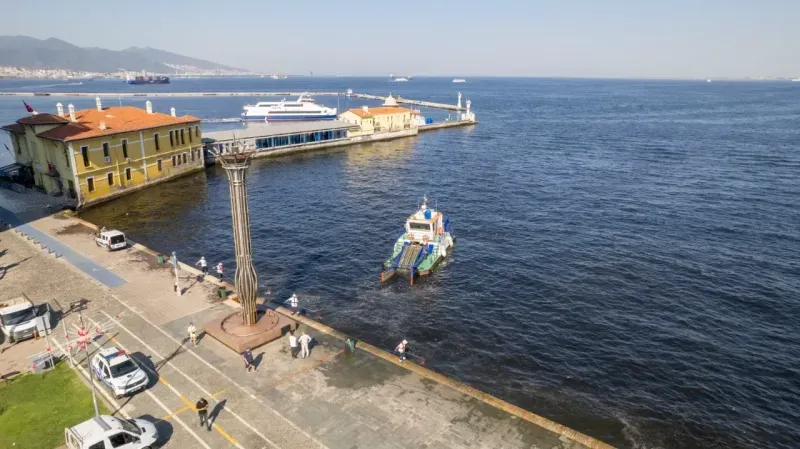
<point>111,240</point>
<point>107,432</point>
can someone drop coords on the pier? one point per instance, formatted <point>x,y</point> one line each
<point>340,397</point>
<point>427,104</point>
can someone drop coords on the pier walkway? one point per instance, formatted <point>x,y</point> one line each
<point>333,399</point>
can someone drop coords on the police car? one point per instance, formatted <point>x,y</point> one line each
<point>119,372</point>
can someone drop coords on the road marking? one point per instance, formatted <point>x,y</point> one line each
<point>172,365</point>
<point>190,406</point>
<point>166,409</point>
<point>214,368</point>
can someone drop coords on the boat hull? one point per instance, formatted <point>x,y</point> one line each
<point>425,267</point>
<point>275,118</point>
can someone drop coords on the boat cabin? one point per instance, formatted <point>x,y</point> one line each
<point>424,225</point>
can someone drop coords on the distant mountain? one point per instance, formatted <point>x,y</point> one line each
<point>52,53</point>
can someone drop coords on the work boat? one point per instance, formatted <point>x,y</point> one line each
<point>427,240</point>
<point>302,109</point>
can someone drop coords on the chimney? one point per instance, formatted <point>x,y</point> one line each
<point>172,111</point>
<point>365,108</point>
<point>71,112</point>
<point>102,125</point>
<point>60,109</point>
<point>99,105</point>
<point>149,106</point>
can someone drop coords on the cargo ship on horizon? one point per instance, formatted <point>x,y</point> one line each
<point>144,79</point>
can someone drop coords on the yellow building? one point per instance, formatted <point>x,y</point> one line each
<point>378,120</point>
<point>97,154</point>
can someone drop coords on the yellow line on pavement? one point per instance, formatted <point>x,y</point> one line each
<point>218,393</point>
<point>175,413</point>
<point>225,434</point>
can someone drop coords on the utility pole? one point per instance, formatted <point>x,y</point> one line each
<point>174,260</point>
<point>83,339</point>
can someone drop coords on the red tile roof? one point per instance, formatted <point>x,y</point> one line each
<point>379,111</point>
<point>15,127</point>
<point>42,119</point>
<point>116,119</point>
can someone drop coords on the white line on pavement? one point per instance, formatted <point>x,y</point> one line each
<point>167,410</point>
<point>218,372</point>
<point>207,393</point>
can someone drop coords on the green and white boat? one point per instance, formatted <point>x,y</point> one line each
<point>427,240</point>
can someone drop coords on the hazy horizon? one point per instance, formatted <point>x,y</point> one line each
<point>572,39</point>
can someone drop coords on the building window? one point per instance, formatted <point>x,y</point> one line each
<point>184,154</point>
<point>90,184</point>
<point>128,174</point>
<point>190,134</point>
<point>85,155</point>
<point>125,148</point>
<point>183,138</point>
<point>66,156</point>
<point>197,131</point>
<point>158,163</point>
<point>171,139</point>
<point>173,161</point>
<point>155,139</point>
<point>105,149</point>
<point>193,151</point>
<point>110,177</point>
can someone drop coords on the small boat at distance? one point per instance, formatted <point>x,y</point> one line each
<point>459,80</point>
<point>427,240</point>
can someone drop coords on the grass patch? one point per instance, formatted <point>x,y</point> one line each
<point>35,408</point>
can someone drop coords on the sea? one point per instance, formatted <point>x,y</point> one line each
<point>628,251</point>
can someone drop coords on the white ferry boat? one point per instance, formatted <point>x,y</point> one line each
<point>302,109</point>
<point>459,80</point>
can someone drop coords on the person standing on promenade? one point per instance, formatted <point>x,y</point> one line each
<point>293,304</point>
<point>202,410</point>
<point>203,265</point>
<point>305,340</point>
<point>248,360</point>
<point>293,344</point>
<point>401,350</point>
<point>192,333</point>
<point>219,271</point>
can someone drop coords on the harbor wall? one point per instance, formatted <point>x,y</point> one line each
<point>450,124</point>
<point>134,188</point>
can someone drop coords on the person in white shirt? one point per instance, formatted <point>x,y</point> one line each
<point>192,334</point>
<point>293,304</point>
<point>219,271</point>
<point>401,350</point>
<point>293,344</point>
<point>305,339</point>
<point>203,265</point>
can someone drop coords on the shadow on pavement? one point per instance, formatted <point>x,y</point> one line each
<point>164,429</point>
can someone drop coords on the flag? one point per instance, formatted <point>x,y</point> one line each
<point>28,107</point>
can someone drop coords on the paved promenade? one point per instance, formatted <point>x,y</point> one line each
<point>333,399</point>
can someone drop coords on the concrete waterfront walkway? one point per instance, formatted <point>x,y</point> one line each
<point>333,399</point>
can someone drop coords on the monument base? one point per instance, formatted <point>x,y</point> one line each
<point>232,333</point>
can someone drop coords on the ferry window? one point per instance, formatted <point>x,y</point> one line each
<point>158,163</point>
<point>125,148</point>
<point>190,135</point>
<point>85,155</point>
<point>105,149</point>
<point>171,139</point>
<point>128,174</point>
<point>155,139</point>
<point>90,184</point>
<point>419,226</point>
<point>183,138</point>
<point>110,177</point>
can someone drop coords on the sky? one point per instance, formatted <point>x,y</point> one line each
<point>574,38</point>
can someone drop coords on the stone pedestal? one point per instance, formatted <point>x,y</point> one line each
<point>233,333</point>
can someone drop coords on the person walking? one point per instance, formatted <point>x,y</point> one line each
<point>192,333</point>
<point>305,340</point>
<point>401,350</point>
<point>248,360</point>
<point>219,271</point>
<point>203,265</point>
<point>202,410</point>
<point>293,304</point>
<point>293,344</point>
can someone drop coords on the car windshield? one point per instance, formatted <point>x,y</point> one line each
<point>18,317</point>
<point>123,368</point>
<point>130,426</point>
<point>117,239</point>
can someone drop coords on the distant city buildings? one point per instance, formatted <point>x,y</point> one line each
<point>64,74</point>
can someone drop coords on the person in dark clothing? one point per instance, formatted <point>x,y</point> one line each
<point>202,411</point>
<point>248,360</point>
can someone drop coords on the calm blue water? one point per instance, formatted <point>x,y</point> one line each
<point>628,261</point>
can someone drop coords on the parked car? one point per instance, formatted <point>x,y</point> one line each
<point>20,318</point>
<point>119,372</point>
<point>107,431</point>
<point>111,240</point>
